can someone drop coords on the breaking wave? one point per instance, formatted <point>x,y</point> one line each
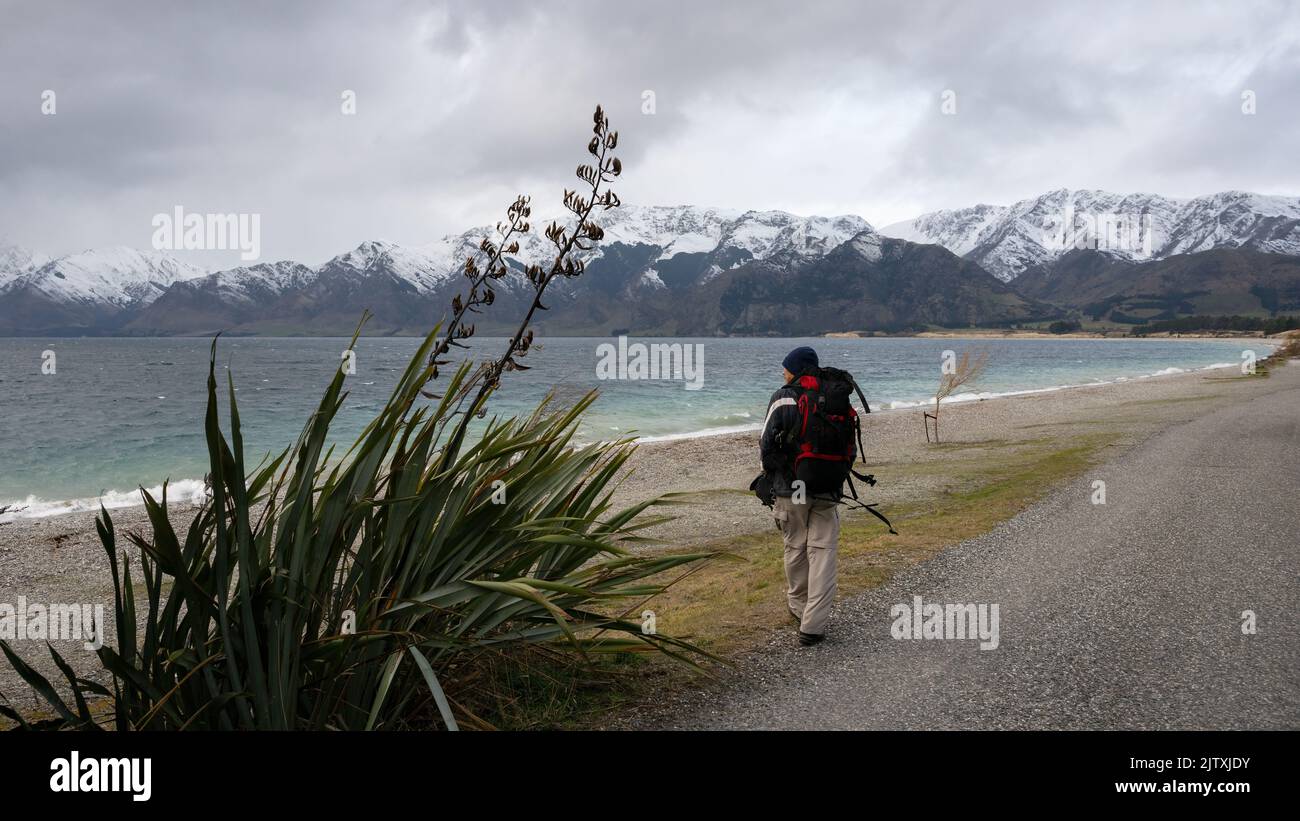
<point>184,491</point>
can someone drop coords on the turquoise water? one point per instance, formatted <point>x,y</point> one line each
<point>119,413</point>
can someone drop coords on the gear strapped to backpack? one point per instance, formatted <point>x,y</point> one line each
<point>829,436</point>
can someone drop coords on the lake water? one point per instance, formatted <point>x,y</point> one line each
<point>120,413</point>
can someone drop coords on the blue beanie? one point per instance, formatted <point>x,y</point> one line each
<point>800,360</point>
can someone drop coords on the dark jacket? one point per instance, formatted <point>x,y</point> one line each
<point>778,446</point>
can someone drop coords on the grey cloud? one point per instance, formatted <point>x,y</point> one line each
<point>819,105</point>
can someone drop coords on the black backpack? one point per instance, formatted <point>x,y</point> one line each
<point>829,437</point>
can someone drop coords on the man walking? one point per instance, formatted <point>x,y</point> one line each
<point>810,525</point>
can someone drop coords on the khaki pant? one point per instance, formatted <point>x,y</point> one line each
<point>812,536</point>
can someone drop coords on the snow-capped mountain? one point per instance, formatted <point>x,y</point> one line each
<point>89,292</point>
<point>646,249</point>
<point>119,277</point>
<point>424,267</point>
<point>869,282</point>
<point>694,241</point>
<point>727,237</point>
<point>16,261</point>
<point>1236,219</point>
<point>776,235</point>
<point>955,230</point>
<point>253,283</point>
<point>765,234</point>
<point>652,263</point>
<point>676,229</point>
<point>1006,240</point>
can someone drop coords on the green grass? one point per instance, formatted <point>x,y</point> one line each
<point>732,606</point>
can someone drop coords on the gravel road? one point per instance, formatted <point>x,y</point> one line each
<point>1123,615</point>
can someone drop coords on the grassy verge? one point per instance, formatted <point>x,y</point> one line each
<point>726,606</point>
<point>729,607</point>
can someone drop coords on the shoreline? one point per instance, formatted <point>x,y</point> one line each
<point>191,488</point>
<point>183,493</point>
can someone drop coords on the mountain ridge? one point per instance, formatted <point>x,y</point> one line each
<point>654,264</point>
<point>1007,240</point>
<point>1214,282</point>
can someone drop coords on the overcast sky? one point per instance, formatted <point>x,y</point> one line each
<point>808,107</point>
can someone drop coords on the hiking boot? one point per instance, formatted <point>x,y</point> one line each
<point>798,619</point>
<point>809,639</point>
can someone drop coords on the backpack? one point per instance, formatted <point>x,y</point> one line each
<point>829,436</point>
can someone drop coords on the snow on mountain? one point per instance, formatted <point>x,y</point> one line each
<point>255,282</point>
<point>124,277</point>
<point>955,230</point>
<point>650,279</point>
<point>689,243</point>
<point>16,261</point>
<point>1006,240</point>
<point>121,277</point>
<point>425,267</point>
<point>1234,219</point>
<point>681,229</point>
<point>675,229</point>
<point>737,236</point>
<point>432,265</point>
<point>726,238</point>
<point>764,234</point>
<point>867,245</point>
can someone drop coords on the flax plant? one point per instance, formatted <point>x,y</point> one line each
<point>357,591</point>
